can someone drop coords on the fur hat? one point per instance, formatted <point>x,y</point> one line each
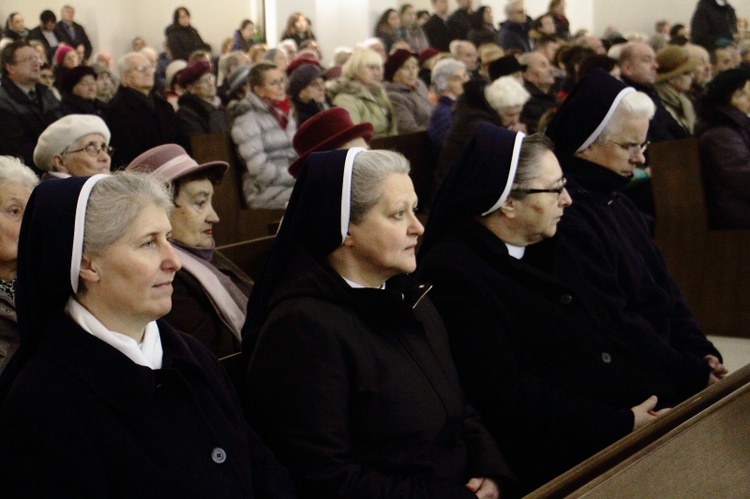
<point>62,133</point>
<point>326,131</point>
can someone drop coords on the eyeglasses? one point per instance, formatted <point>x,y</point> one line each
<point>29,59</point>
<point>633,148</point>
<point>556,190</point>
<point>93,150</point>
<point>142,69</point>
<point>275,83</point>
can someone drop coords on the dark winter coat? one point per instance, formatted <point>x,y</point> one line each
<point>83,420</point>
<point>440,122</point>
<point>73,104</point>
<point>458,24</point>
<point>138,123</point>
<point>553,380</point>
<point>538,104</point>
<point>22,120</point>
<point>514,36</point>
<point>627,273</point>
<point>437,33</point>
<point>411,106</point>
<point>711,22</point>
<point>37,34</point>
<point>356,393</point>
<point>184,40</point>
<point>193,313</point>
<point>725,156</point>
<point>195,116</point>
<point>81,37</point>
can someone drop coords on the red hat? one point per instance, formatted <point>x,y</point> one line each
<point>299,62</point>
<point>192,72</point>
<point>395,61</point>
<point>61,52</point>
<point>326,131</point>
<point>426,54</point>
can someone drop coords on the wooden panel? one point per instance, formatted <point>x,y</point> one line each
<point>237,222</point>
<point>249,255</point>
<point>719,412</point>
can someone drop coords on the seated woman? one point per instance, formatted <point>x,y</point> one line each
<point>140,409</point>
<point>351,378</point>
<point>210,292</point>
<point>78,88</point>
<point>306,89</point>
<point>674,80</point>
<point>16,183</point>
<point>361,93</point>
<point>75,145</point>
<point>407,92</point>
<point>448,78</point>
<point>199,110</point>
<point>263,129</point>
<point>724,135</point>
<point>551,376</point>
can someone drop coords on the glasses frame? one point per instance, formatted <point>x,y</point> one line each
<point>556,190</point>
<point>93,150</point>
<point>641,148</point>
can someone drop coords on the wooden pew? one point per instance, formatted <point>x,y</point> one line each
<point>701,448</point>
<point>249,255</point>
<point>417,148</point>
<point>238,223</point>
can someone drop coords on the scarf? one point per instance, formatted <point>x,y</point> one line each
<point>279,109</point>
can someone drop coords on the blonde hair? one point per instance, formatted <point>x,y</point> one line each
<point>359,58</point>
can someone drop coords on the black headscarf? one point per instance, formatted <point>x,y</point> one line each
<point>478,183</point>
<point>45,255</point>
<point>315,220</point>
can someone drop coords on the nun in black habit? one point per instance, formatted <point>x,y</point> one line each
<point>553,381</point>
<point>103,398</point>
<point>351,379</point>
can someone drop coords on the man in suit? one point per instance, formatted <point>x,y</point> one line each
<point>436,28</point>
<point>72,33</point>
<point>45,33</point>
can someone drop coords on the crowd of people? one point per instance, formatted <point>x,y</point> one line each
<point>534,324</point>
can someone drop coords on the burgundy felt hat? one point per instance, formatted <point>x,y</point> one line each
<point>170,162</point>
<point>326,131</point>
<point>395,61</point>
<point>192,72</point>
<point>296,63</point>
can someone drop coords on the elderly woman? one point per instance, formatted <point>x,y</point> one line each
<point>724,135</point>
<point>407,92</point>
<point>674,79</point>
<point>210,292</point>
<point>499,103</point>
<point>306,89</point>
<point>535,371</point>
<point>340,328</point>
<point>139,408</point>
<point>360,92</point>
<point>182,38</point>
<point>16,183</point>
<point>76,145</point>
<point>79,92</point>
<point>199,110</point>
<point>448,78</point>
<point>263,129</point>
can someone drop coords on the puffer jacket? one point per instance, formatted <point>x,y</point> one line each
<point>365,105</point>
<point>267,151</point>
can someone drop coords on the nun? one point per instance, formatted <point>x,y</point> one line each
<point>550,376</point>
<point>351,379</point>
<point>103,398</point>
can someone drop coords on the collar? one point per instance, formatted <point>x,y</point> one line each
<point>586,175</point>
<point>206,254</point>
<point>516,252</point>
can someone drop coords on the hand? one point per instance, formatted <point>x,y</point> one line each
<point>718,371</point>
<point>644,412</point>
<point>484,488</point>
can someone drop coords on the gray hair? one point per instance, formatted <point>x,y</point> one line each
<point>126,194</point>
<point>635,105</point>
<point>511,6</point>
<point>12,170</point>
<point>370,170</point>
<point>123,66</point>
<point>532,149</point>
<point>442,72</point>
<point>505,92</point>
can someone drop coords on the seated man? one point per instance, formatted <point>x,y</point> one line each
<point>600,136</point>
<point>26,106</point>
<point>539,81</point>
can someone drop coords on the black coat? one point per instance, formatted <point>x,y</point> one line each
<point>73,104</point>
<point>711,22</point>
<point>437,33</point>
<point>36,34</point>
<point>183,40</point>
<point>193,313</point>
<point>662,126</point>
<point>81,37</point>
<point>538,104</point>
<point>458,24</point>
<point>195,116</point>
<point>627,273</point>
<point>83,420</point>
<point>138,123</point>
<point>356,393</point>
<point>22,120</point>
<point>552,379</point>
